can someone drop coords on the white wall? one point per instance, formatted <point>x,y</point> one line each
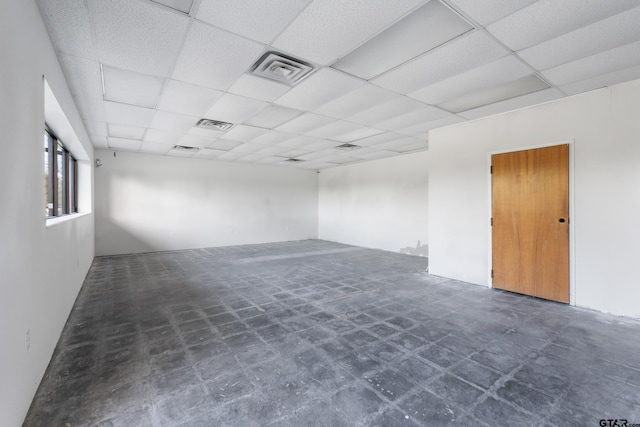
<point>378,204</point>
<point>41,268</point>
<point>148,202</point>
<point>605,128</point>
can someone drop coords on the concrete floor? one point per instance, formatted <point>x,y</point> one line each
<point>314,333</point>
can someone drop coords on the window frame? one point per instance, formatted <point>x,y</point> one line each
<point>63,191</point>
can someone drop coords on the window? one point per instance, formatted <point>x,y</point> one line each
<point>60,178</point>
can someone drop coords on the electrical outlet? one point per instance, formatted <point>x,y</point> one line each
<point>27,339</point>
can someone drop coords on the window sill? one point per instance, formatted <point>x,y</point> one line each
<point>50,222</point>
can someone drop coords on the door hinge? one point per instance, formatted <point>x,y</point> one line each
<point>492,273</point>
<point>491,169</point>
<point>492,222</point>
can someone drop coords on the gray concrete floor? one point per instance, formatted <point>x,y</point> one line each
<point>315,333</point>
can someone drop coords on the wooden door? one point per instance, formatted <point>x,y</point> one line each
<point>530,217</point>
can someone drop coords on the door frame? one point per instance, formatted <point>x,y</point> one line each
<point>572,266</point>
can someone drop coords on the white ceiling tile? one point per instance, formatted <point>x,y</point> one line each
<point>270,160</point>
<point>295,153</point>
<point>434,124</point>
<point>244,133</point>
<point>234,109</point>
<point>258,88</point>
<point>397,123</point>
<point>598,82</point>
<point>96,128</point>
<point>91,109</point>
<point>601,36</point>
<point>124,114</point>
<point>272,116</point>
<point>155,148</point>
<point>185,98</point>
<point>69,26</point>
<point>547,19</point>
<point>251,158</point>
<point>426,28</point>
<point>321,87</point>
<point>339,159</point>
<point>183,6</point>
<point>377,154</point>
<point>83,76</point>
<point>606,62</point>
<point>400,142</point>
<point>418,146</point>
<point>321,145</point>
<point>196,141</point>
<point>312,156</point>
<point>173,122</point>
<point>316,165</point>
<point>162,136</point>
<point>124,144</point>
<point>469,51</point>
<point>487,11</point>
<point>514,103</point>
<point>356,134</point>
<point>500,71</point>
<point>231,155</point>
<point>272,137</point>
<point>379,139</point>
<point>261,21</point>
<point>212,133</point>
<point>298,142</point>
<point>126,132</point>
<point>273,151</point>
<point>305,123</point>
<point>396,107</point>
<point>332,130</point>
<point>223,144</point>
<point>214,58</point>
<point>329,28</point>
<point>209,153</point>
<point>355,101</point>
<point>129,87</point>
<point>180,153</point>
<point>99,141</point>
<point>137,36</point>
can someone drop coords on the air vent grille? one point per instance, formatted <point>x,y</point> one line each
<point>281,68</point>
<point>185,148</point>
<point>347,147</point>
<point>292,160</point>
<point>213,124</point>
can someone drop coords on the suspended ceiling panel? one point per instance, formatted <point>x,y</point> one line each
<point>384,73</point>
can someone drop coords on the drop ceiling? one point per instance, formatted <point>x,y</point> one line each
<point>143,73</point>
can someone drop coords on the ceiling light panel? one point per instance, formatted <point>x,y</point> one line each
<point>261,21</point>
<point>421,31</point>
<point>127,132</point>
<point>615,59</point>
<point>125,144</point>
<point>547,19</point>
<point>162,136</point>
<point>272,116</point>
<point>69,26</point>
<point>355,101</point>
<point>123,114</point>
<point>206,48</point>
<point>258,88</point>
<point>500,71</point>
<point>305,123</point>
<point>244,133</point>
<point>488,11</point>
<point>223,144</point>
<point>601,36</point>
<point>514,103</point>
<point>137,36</point>
<point>469,51</point>
<point>397,123</point>
<point>608,79</point>
<point>183,6</point>
<point>185,98</point>
<point>327,29</point>
<point>396,107</point>
<point>83,76</point>
<point>235,109</point>
<point>129,87</point>
<point>323,86</point>
<point>173,122</point>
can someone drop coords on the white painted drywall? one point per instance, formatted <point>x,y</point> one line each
<point>148,202</point>
<point>41,268</point>
<point>605,128</point>
<point>377,204</point>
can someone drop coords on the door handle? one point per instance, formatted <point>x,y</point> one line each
<point>562,220</point>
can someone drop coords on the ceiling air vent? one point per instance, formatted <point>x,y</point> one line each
<point>185,148</point>
<point>281,68</point>
<point>213,124</point>
<point>292,160</point>
<point>347,147</point>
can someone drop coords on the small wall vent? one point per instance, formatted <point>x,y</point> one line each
<point>213,124</point>
<point>281,68</point>
<point>185,148</point>
<point>347,147</point>
<point>292,160</point>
